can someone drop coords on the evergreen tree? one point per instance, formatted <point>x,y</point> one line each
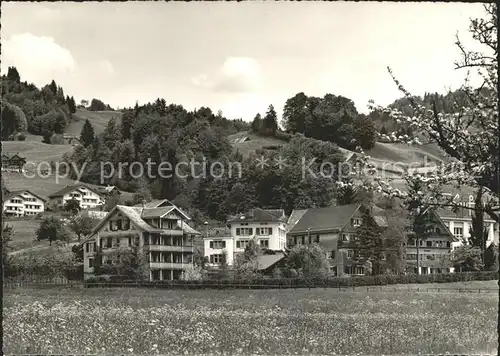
<point>257,123</point>
<point>346,193</point>
<point>53,87</point>
<point>369,245</point>
<point>87,135</point>
<point>13,74</point>
<point>270,122</point>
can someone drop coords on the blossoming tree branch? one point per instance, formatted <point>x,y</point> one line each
<point>469,135</point>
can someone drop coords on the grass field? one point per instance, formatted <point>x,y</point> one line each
<point>98,119</point>
<point>36,151</point>
<point>272,322</point>
<point>24,233</point>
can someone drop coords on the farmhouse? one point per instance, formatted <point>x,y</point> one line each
<point>13,163</point>
<point>23,203</point>
<point>265,226</point>
<point>159,228</point>
<point>87,196</point>
<point>333,229</point>
<point>71,139</point>
<point>432,253</point>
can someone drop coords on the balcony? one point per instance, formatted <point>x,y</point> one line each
<point>168,248</point>
<point>168,265</point>
<point>118,233</point>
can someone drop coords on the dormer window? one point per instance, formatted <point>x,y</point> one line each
<point>357,222</point>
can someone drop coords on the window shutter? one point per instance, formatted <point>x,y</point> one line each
<point>224,244</point>
<point>87,247</point>
<point>270,231</point>
<point>238,231</point>
<point>250,231</point>
<point>211,244</point>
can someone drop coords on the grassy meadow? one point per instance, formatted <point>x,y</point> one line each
<point>230,322</point>
<point>98,119</point>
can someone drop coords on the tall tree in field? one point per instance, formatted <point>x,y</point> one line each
<point>295,114</point>
<point>257,123</point>
<point>87,135</point>
<point>53,87</point>
<point>270,122</point>
<point>346,192</point>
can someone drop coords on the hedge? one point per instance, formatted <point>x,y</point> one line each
<point>333,282</point>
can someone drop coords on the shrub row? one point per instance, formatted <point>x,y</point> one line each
<point>334,282</point>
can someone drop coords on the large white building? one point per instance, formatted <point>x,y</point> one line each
<point>87,196</point>
<point>159,228</point>
<point>267,227</point>
<point>459,223</point>
<point>23,203</point>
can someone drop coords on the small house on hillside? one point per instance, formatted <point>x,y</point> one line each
<point>13,163</point>
<point>71,139</point>
<point>23,203</point>
<point>87,196</point>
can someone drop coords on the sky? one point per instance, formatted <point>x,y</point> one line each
<point>235,57</point>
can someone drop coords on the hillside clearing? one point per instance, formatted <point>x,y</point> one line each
<point>98,119</point>
<point>36,151</point>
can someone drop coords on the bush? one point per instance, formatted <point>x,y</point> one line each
<point>21,137</point>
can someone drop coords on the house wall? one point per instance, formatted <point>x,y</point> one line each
<point>166,261</point>
<point>216,250</point>
<point>25,204</point>
<point>87,198</point>
<point>276,241</point>
<point>466,225</point>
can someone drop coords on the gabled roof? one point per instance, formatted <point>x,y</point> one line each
<point>156,203</point>
<point>16,193</point>
<point>70,188</point>
<point>267,261</point>
<point>294,217</point>
<point>150,213</point>
<point>325,219</point>
<point>260,215</point>
<point>134,214</point>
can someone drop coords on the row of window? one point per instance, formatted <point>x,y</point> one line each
<point>33,206</point>
<point>108,242</point>
<point>422,257</point>
<point>429,243</point>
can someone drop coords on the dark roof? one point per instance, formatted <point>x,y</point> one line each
<point>267,261</point>
<point>70,188</point>
<point>218,231</point>
<point>156,203</point>
<point>149,213</point>
<point>294,217</point>
<point>258,214</point>
<point>324,219</point>
<point>15,193</point>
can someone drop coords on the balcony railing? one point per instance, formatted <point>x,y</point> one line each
<point>169,265</point>
<point>118,233</point>
<point>168,248</point>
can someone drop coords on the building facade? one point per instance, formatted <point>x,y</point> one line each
<point>23,203</point>
<point>333,229</point>
<point>433,251</point>
<point>159,229</point>
<point>266,227</point>
<point>87,197</point>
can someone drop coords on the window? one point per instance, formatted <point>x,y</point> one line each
<point>91,262</point>
<point>242,243</point>
<point>87,247</point>
<point>264,231</point>
<point>458,232</point>
<point>357,222</point>
<point>411,257</point>
<point>360,270</point>
<point>218,244</point>
<point>350,253</point>
<point>244,231</point>
<point>345,237</point>
<point>429,243</point>
<point>317,239</point>
<point>332,254</point>
<point>448,244</point>
<point>264,243</point>
<point>216,259</point>
<point>130,241</point>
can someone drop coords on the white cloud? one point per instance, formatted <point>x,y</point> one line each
<point>237,75</point>
<point>38,59</point>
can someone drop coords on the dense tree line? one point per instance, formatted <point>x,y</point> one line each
<point>42,111</point>
<point>331,118</point>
